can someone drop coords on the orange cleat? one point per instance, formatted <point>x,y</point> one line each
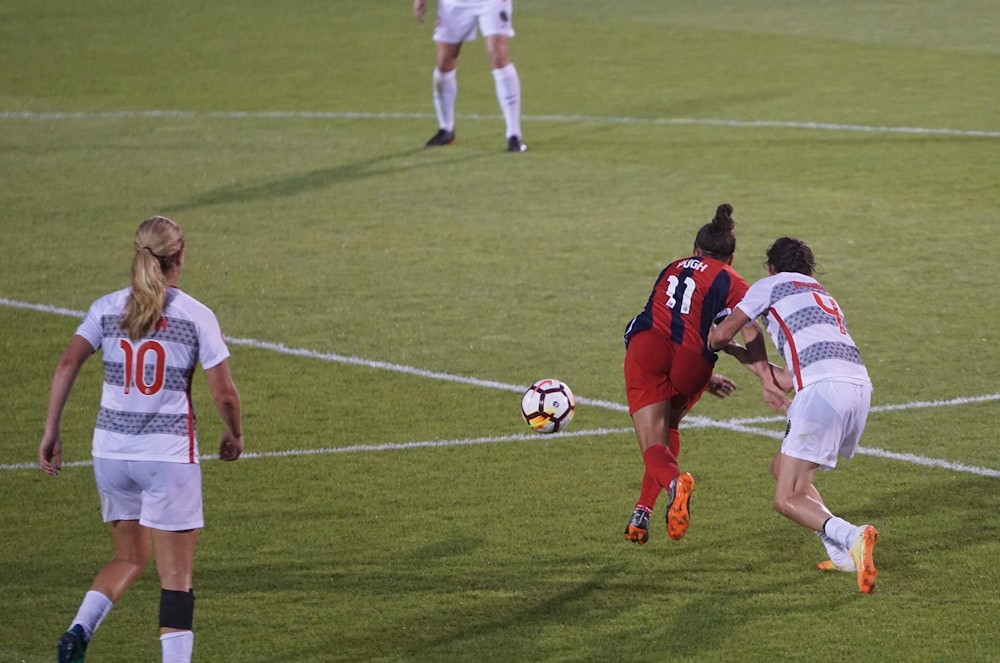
<point>679,512</point>
<point>861,552</point>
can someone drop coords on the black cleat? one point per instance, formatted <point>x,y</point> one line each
<point>637,530</point>
<point>441,138</point>
<point>514,144</point>
<point>72,645</point>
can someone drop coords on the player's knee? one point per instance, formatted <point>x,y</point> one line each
<point>138,557</point>
<point>177,609</point>
<point>781,505</point>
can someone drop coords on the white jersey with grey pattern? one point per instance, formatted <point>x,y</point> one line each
<point>807,327</point>
<point>146,411</point>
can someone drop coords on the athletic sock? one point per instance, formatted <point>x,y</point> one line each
<point>177,646</point>
<point>650,492</point>
<point>94,608</point>
<point>445,93</point>
<point>674,442</point>
<point>841,531</point>
<point>508,86</point>
<point>661,465</point>
<point>837,553</point>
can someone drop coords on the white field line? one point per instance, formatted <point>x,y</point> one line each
<point>575,119</point>
<point>735,425</point>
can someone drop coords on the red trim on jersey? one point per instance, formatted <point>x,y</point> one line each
<point>191,444</point>
<point>791,345</point>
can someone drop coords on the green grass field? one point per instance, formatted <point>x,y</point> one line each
<point>386,304</point>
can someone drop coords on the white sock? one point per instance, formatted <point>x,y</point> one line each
<point>841,531</point>
<point>445,92</point>
<point>177,646</point>
<point>93,610</point>
<point>840,556</point>
<point>508,86</point>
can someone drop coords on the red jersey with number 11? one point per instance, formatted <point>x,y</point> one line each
<point>688,296</point>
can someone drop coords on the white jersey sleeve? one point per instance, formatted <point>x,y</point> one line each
<point>91,328</point>
<point>808,328</point>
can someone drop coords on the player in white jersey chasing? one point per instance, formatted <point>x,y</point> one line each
<point>145,448</point>
<point>457,21</point>
<point>832,399</point>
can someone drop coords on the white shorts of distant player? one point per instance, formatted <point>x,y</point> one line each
<point>457,21</point>
<point>164,496</point>
<point>826,420</point>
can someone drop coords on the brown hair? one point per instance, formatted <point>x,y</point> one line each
<point>788,254</point>
<point>716,239</point>
<point>158,244</point>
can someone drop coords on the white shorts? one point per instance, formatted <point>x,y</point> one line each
<point>164,496</point>
<point>826,420</point>
<point>457,21</point>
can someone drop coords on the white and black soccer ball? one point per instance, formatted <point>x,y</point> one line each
<point>548,406</point>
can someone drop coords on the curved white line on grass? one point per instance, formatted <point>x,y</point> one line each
<point>879,453</point>
<point>399,368</point>
<point>398,446</point>
<point>403,446</point>
<point>386,446</point>
<point>42,308</point>
<point>930,462</point>
<point>742,124</point>
<point>770,124</point>
<point>961,400</point>
<point>734,425</point>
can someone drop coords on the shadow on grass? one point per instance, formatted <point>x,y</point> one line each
<point>946,511</point>
<point>312,181</point>
<point>452,598</point>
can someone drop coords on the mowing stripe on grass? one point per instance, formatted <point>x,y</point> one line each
<point>734,425</point>
<point>574,119</point>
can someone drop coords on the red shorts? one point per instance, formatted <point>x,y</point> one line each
<point>657,369</point>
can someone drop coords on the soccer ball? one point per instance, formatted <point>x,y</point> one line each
<point>548,406</point>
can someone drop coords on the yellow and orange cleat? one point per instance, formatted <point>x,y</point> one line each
<point>861,552</point>
<point>679,512</point>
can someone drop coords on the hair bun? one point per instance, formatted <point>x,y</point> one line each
<point>724,217</point>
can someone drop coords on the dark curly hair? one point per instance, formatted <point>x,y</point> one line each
<point>716,239</point>
<point>788,254</point>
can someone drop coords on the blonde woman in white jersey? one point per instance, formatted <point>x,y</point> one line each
<point>145,447</point>
<point>832,399</point>
<point>457,22</point>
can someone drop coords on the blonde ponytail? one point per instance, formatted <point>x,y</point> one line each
<point>158,243</point>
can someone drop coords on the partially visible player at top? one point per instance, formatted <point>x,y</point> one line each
<point>457,21</point>
<point>668,367</point>
<point>832,397</point>
<point>145,449</point>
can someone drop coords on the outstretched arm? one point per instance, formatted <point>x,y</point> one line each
<point>753,355</point>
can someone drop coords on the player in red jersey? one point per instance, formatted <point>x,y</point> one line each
<point>668,365</point>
